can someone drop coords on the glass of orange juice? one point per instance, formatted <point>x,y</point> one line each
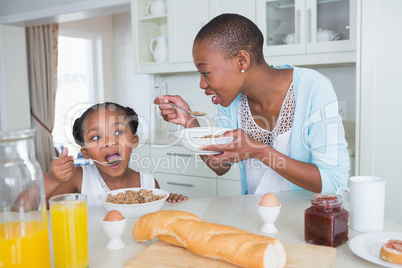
<point>68,215</point>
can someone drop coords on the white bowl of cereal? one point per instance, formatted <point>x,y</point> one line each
<point>132,203</point>
<point>193,138</point>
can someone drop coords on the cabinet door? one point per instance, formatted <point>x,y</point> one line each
<point>228,188</point>
<point>243,7</point>
<point>186,17</point>
<point>282,23</point>
<point>193,187</point>
<point>178,160</point>
<point>140,158</point>
<point>331,25</point>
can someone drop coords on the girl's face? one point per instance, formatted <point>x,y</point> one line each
<point>107,136</point>
<point>220,77</point>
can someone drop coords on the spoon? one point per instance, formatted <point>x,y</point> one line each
<point>190,113</point>
<point>110,163</point>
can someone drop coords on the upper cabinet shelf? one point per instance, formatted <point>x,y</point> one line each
<point>277,19</point>
<point>155,19</point>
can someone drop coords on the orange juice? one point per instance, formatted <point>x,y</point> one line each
<point>24,244</point>
<point>70,234</point>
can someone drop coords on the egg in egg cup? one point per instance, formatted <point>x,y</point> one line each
<point>269,209</point>
<point>113,225</point>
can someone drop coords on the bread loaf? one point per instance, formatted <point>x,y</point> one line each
<point>392,251</point>
<point>210,240</point>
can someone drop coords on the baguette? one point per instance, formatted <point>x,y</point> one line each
<point>392,251</point>
<point>210,240</point>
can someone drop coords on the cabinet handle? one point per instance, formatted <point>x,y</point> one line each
<point>309,25</point>
<point>180,184</point>
<point>298,26</point>
<point>183,155</point>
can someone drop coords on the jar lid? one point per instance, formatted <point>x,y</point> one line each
<point>17,134</point>
<point>323,199</point>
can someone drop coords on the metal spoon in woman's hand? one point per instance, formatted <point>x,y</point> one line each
<point>190,113</point>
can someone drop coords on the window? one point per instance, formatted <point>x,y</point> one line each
<point>75,90</point>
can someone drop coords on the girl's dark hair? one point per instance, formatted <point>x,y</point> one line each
<point>227,34</point>
<point>130,114</point>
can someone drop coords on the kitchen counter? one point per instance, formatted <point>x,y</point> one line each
<point>237,211</point>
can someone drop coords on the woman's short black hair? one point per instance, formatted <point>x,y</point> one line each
<point>227,34</point>
<point>130,114</point>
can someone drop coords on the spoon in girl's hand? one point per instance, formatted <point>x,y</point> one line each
<point>110,163</point>
<point>191,113</point>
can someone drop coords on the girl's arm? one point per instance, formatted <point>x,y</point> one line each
<point>63,176</point>
<point>173,198</point>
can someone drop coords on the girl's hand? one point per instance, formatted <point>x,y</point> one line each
<point>243,147</point>
<point>173,198</point>
<point>63,168</point>
<point>172,114</point>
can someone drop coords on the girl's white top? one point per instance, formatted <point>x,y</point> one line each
<point>93,184</point>
<point>260,177</point>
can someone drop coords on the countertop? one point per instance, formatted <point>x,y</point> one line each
<point>237,211</point>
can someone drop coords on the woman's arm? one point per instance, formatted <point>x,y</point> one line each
<point>244,147</point>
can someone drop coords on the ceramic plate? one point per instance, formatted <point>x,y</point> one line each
<point>368,246</point>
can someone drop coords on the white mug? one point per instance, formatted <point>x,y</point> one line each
<point>367,202</point>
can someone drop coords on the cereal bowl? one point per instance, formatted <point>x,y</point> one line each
<point>193,138</point>
<point>134,211</point>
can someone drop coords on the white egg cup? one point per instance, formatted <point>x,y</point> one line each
<point>114,230</point>
<point>269,216</point>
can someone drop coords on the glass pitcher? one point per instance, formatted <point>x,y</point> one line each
<point>24,239</point>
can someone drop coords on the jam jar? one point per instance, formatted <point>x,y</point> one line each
<point>326,221</point>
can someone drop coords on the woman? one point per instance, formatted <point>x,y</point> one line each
<point>288,132</point>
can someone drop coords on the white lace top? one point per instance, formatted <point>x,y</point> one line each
<point>260,177</point>
<point>93,184</point>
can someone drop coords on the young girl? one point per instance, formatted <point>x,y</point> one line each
<point>285,120</point>
<point>106,132</point>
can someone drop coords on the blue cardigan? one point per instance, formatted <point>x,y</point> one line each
<point>317,136</point>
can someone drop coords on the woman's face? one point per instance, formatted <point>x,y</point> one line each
<point>220,77</point>
<point>107,136</point>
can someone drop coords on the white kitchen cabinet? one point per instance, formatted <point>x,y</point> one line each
<point>229,183</point>
<point>278,19</point>
<point>178,160</point>
<point>140,158</point>
<point>228,187</point>
<point>243,7</point>
<point>191,186</point>
<point>182,22</point>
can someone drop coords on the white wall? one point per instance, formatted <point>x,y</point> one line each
<point>381,95</point>
<point>15,107</point>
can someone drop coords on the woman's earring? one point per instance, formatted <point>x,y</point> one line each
<point>242,70</point>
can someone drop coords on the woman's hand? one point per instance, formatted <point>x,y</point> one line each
<point>173,198</point>
<point>62,168</point>
<point>243,147</point>
<point>174,115</point>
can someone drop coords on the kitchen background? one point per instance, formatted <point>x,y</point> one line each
<point>113,25</point>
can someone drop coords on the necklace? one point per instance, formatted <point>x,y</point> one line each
<point>284,123</point>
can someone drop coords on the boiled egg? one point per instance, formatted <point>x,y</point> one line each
<point>269,200</point>
<point>113,215</point>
